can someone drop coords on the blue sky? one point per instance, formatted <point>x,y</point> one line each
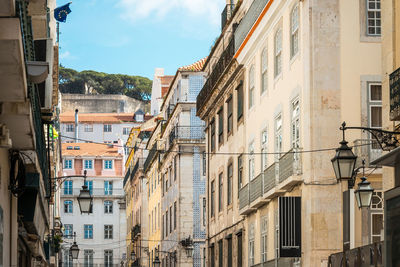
<point>135,36</point>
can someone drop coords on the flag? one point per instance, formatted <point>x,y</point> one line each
<point>60,13</point>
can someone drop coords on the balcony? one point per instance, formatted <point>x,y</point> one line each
<point>189,134</point>
<point>394,83</point>
<point>219,69</point>
<point>369,255</point>
<point>135,231</point>
<point>152,154</point>
<point>368,150</point>
<point>226,14</point>
<point>138,166</point>
<point>127,175</point>
<point>290,169</point>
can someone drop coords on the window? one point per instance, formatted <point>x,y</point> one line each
<point>220,254</point>
<point>294,31</point>
<point>68,164</point>
<point>108,232</point>
<point>240,172</point>
<point>230,114</point>
<point>88,128</point>
<point>108,187</point>
<point>170,219</point>
<point>126,130</point>
<point>108,164</point>
<point>374,17</point>
<point>375,109</point>
<point>230,177</point>
<point>251,86</point>
<point>264,239</point>
<point>278,136</point>
<point>376,217</point>
<point>220,126</point>
<point>107,128</point>
<point>230,256</point>
<point>264,71</point>
<point>204,211</point>
<point>175,210</point>
<point>295,124</point>
<point>166,223</point>
<point>212,199</point>
<point>212,256</point>
<point>68,187</point>
<point>239,249</point>
<point>220,192</point>
<point>239,101</point>
<point>88,164</point>
<point>278,52</point>
<point>88,231</point>
<point>88,258</point>
<point>204,258</point>
<point>68,204</point>
<point>108,207</point>
<point>212,135</point>
<point>251,162</point>
<point>68,230</point>
<point>289,226</point>
<point>89,185</point>
<point>251,244</point>
<point>204,164</point>
<point>70,128</point>
<point>67,259</point>
<point>175,167</point>
<point>108,258</point>
<point>264,149</point>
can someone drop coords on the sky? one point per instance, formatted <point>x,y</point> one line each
<point>136,36</point>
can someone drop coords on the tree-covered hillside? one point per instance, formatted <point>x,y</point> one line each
<point>93,82</point>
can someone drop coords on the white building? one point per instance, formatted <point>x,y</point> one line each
<point>159,88</point>
<point>100,235</point>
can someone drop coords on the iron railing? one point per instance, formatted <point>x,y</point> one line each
<point>394,83</point>
<point>269,178</point>
<point>26,29</point>
<point>187,133</point>
<point>368,150</point>
<point>226,14</point>
<point>222,64</point>
<point>127,175</point>
<point>369,255</point>
<point>256,188</point>
<point>138,166</point>
<point>289,164</point>
<point>152,154</point>
<point>244,196</point>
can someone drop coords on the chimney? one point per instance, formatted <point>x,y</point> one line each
<point>76,126</point>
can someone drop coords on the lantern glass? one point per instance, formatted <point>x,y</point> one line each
<point>344,162</point>
<point>364,193</point>
<point>85,200</point>
<point>74,250</point>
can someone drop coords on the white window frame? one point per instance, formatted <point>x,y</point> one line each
<point>294,31</point>
<point>108,206</point>
<point>295,123</point>
<point>107,128</point>
<point>105,164</point>
<point>88,257</point>
<point>126,130</point>
<point>68,190</point>
<point>377,19</point>
<point>88,230</point>
<point>278,52</point>
<point>69,166</point>
<point>251,161</point>
<point>264,71</point>
<point>70,128</point>
<point>88,128</point>
<point>373,103</point>
<point>70,206</point>
<point>264,149</point>
<point>278,136</point>
<point>86,167</point>
<point>108,257</point>
<point>68,230</point>
<point>108,188</point>
<point>251,85</point>
<point>375,211</point>
<point>251,245</point>
<point>264,238</point>
<point>108,231</point>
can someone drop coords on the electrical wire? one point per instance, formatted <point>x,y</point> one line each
<point>221,153</point>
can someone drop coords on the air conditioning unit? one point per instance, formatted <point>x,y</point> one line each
<point>5,140</point>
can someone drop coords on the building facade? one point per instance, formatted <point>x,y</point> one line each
<point>159,88</point>
<point>181,171</point>
<point>280,87</point>
<point>101,234</point>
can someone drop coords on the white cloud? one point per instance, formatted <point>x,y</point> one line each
<point>65,55</point>
<point>209,10</point>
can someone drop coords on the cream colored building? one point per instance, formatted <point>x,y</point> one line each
<point>297,70</point>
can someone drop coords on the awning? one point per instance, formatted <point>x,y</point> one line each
<point>390,159</point>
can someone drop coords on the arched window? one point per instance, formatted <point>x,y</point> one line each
<point>294,31</point>
<point>278,52</point>
<point>264,72</point>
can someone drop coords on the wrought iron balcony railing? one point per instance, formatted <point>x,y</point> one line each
<point>226,14</point>
<point>127,175</point>
<point>394,83</point>
<point>289,164</point>
<point>152,154</point>
<point>269,178</point>
<point>369,255</point>
<point>136,231</point>
<point>138,166</point>
<point>244,199</point>
<point>194,133</point>
<point>223,62</point>
<point>368,150</point>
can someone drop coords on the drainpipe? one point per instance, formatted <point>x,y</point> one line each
<point>76,126</point>
<point>208,188</point>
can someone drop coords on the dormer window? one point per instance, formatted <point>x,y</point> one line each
<point>139,118</point>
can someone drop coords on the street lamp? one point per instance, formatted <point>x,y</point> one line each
<point>133,255</point>
<point>344,161</point>
<point>74,249</point>
<point>187,243</point>
<point>85,200</point>
<point>156,262</point>
<point>364,193</point>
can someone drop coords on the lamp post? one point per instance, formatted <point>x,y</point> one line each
<point>85,200</point>
<point>156,262</point>
<point>74,249</point>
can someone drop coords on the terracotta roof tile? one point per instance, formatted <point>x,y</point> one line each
<point>97,117</point>
<point>90,149</point>
<point>197,66</point>
<point>166,80</point>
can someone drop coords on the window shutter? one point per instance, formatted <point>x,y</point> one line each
<point>290,227</point>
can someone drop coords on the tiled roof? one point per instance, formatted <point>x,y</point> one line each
<point>166,80</point>
<point>90,149</point>
<point>197,66</point>
<point>97,117</point>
